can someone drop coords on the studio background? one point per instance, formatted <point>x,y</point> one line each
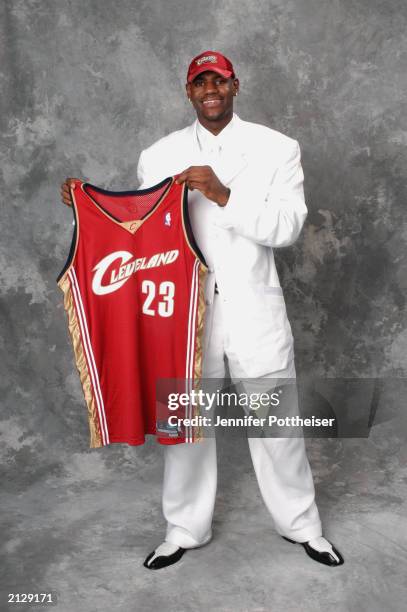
<point>85,87</point>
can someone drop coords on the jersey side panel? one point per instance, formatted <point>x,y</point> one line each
<point>198,308</point>
<point>74,326</point>
<point>200,320</point>
<point>76,308</point>
<point>197,316</point>
<point>195,433</point>
<point>88,346</point>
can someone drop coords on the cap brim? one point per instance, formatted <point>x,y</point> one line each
<point>224,73</point>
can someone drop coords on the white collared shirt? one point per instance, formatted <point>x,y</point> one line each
<point>213,144</point>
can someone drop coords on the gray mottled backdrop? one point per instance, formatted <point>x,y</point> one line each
<point>85,86</point>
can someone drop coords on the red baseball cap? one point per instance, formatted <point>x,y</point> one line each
<point>210,60</point>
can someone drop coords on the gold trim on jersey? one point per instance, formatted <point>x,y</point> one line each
<point>200,326</point>
<point>202,272</point>
<point>198,361</point>
<point>81,364</point>
<point>133,226</point>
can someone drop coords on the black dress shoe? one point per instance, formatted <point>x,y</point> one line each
<point>322,557</point>
<point>163,560</point>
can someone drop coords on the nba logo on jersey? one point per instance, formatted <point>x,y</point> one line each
<point>167,219</point>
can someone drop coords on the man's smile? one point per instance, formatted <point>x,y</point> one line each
<point>211,102</point>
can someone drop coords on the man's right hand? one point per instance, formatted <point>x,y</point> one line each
<point>65,193</point>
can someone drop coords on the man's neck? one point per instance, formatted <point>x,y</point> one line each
<point>215,127</point>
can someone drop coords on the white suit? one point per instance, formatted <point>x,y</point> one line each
<point>247,321</point>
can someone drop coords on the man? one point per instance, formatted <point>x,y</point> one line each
<point>246,197</point>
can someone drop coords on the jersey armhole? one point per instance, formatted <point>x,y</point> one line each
<point>74,241</point>
<point>189,235</point>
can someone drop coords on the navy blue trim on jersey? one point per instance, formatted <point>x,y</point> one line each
<point>72,247</point>
<point>129,193</point>
<point>188,228</point>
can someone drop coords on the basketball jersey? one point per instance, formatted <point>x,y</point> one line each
<point>133,287</point>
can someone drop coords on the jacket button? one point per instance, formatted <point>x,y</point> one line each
<point>208,302</point>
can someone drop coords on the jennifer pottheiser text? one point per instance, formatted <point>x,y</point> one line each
<point>250,420</point>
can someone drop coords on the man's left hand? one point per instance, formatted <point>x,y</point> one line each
<point>205,180</point>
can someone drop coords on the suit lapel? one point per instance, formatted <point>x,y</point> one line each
<point>231,164</point>
<point>234,159</point>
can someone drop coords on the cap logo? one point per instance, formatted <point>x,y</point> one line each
<point>206,58</point>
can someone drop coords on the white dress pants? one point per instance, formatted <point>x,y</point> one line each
<point>282,469</point>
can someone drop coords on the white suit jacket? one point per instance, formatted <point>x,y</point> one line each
<point>266,209</point>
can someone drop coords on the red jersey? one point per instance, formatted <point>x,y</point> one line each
<point>133,293</point>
